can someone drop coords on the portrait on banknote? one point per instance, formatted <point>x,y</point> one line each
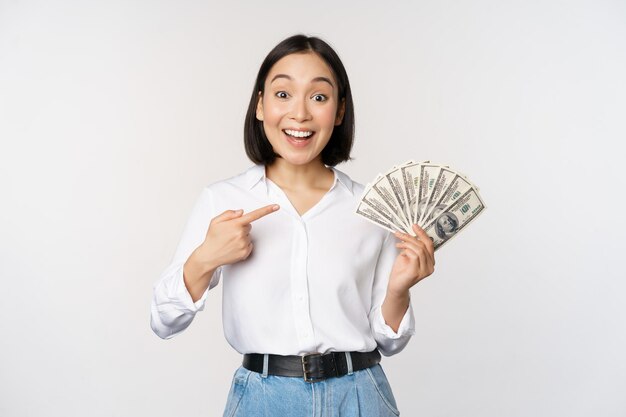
<point>446,225</point>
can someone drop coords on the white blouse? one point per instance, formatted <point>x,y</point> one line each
<point>313,283</point>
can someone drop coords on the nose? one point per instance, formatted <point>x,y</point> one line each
<point>300,110</point>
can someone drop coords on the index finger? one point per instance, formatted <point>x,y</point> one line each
<point>258,213</point>
<point>423,236</point>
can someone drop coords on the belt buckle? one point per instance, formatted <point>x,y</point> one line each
<point>306,360</point>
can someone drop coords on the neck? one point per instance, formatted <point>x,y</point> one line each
<point>311,175</point>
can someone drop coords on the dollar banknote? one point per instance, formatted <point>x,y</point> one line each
<point>452,187</point>
<point>396,181</point>
<point>436,197</point>
<point>372,206</point>
<point>454,218</point>
<point>384,190</point>
<point>428,173</point>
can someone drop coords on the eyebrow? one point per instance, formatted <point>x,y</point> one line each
<point>314,80</point>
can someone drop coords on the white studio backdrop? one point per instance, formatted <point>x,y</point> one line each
<point>115,114</point>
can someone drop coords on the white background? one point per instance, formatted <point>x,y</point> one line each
<point>115,114</point>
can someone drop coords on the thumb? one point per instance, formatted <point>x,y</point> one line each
<point>228,215</point>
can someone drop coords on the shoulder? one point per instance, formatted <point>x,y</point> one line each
<point>352,200</point>
<point>355,187</point>
<point>237,191</point>
<point>243,180</point>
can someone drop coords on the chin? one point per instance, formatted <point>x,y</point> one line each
<point>298,159</point>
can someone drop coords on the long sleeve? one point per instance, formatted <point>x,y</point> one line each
<point>172,309</point>
<point>389,342</point>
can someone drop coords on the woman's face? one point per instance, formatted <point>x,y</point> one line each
<point>299,108</point>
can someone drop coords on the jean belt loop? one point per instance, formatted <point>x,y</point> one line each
<point>349,362</point>
<point>265,362</point>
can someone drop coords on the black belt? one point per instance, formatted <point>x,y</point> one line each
<point>312,367</point>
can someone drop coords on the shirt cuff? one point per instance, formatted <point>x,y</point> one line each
<point>182,294</point>
<point>406,328</point>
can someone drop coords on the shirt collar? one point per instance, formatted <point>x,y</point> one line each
<point>343,179</point>
<point>256,173</point>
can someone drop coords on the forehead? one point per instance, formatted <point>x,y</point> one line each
<point>301,67</point>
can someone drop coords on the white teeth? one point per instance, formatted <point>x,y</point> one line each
<point>298,134</point>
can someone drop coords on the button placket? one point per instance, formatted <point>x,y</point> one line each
<point>299,276</point>
<point>299,285</point>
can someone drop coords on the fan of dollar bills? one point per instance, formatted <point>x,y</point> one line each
<point>435,197</point>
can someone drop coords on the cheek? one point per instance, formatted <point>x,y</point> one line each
<point>326,115</point>
<point>272,115</point>
<point>273,111</point>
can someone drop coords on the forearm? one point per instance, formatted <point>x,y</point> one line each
<point>394,308</point>
<point>197,276</point>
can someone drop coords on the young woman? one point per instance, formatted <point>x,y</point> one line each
<point>311,292</point>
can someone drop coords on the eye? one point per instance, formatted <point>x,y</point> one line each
<point>320,97</point>
<point>281,94</point>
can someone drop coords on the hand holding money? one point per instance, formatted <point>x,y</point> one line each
<point>435,197</point>
<point>415,262</point>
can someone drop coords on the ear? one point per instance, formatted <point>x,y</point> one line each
<point>340,112</point>
<point>259,107</point>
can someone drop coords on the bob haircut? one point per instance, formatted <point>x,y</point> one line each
<point>258,148</point>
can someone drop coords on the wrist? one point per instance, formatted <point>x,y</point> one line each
<point>398,293</point>
<point>203,257</point>
<point>196,276</point>
<point>394,307</point>
<point>199,266</point>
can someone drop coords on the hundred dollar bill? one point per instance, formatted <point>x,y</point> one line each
<point>427,175</point>
<point>396,180</point>
<point>384,189</point>
<point>411,180</point>
<point>456,187</point>
<point>365,210</point>
<point>461,213</point>
<point>442,181</point>
<point>374,200</point>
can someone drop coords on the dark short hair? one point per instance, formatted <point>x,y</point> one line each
<point>258,148</point>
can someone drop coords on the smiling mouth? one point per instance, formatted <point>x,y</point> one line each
<point>298,134</point>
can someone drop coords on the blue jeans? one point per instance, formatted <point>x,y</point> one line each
<point>364,393</point>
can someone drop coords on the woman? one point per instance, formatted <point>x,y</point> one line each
<point>311,292</point>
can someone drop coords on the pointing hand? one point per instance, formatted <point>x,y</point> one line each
<point>228,238</point>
